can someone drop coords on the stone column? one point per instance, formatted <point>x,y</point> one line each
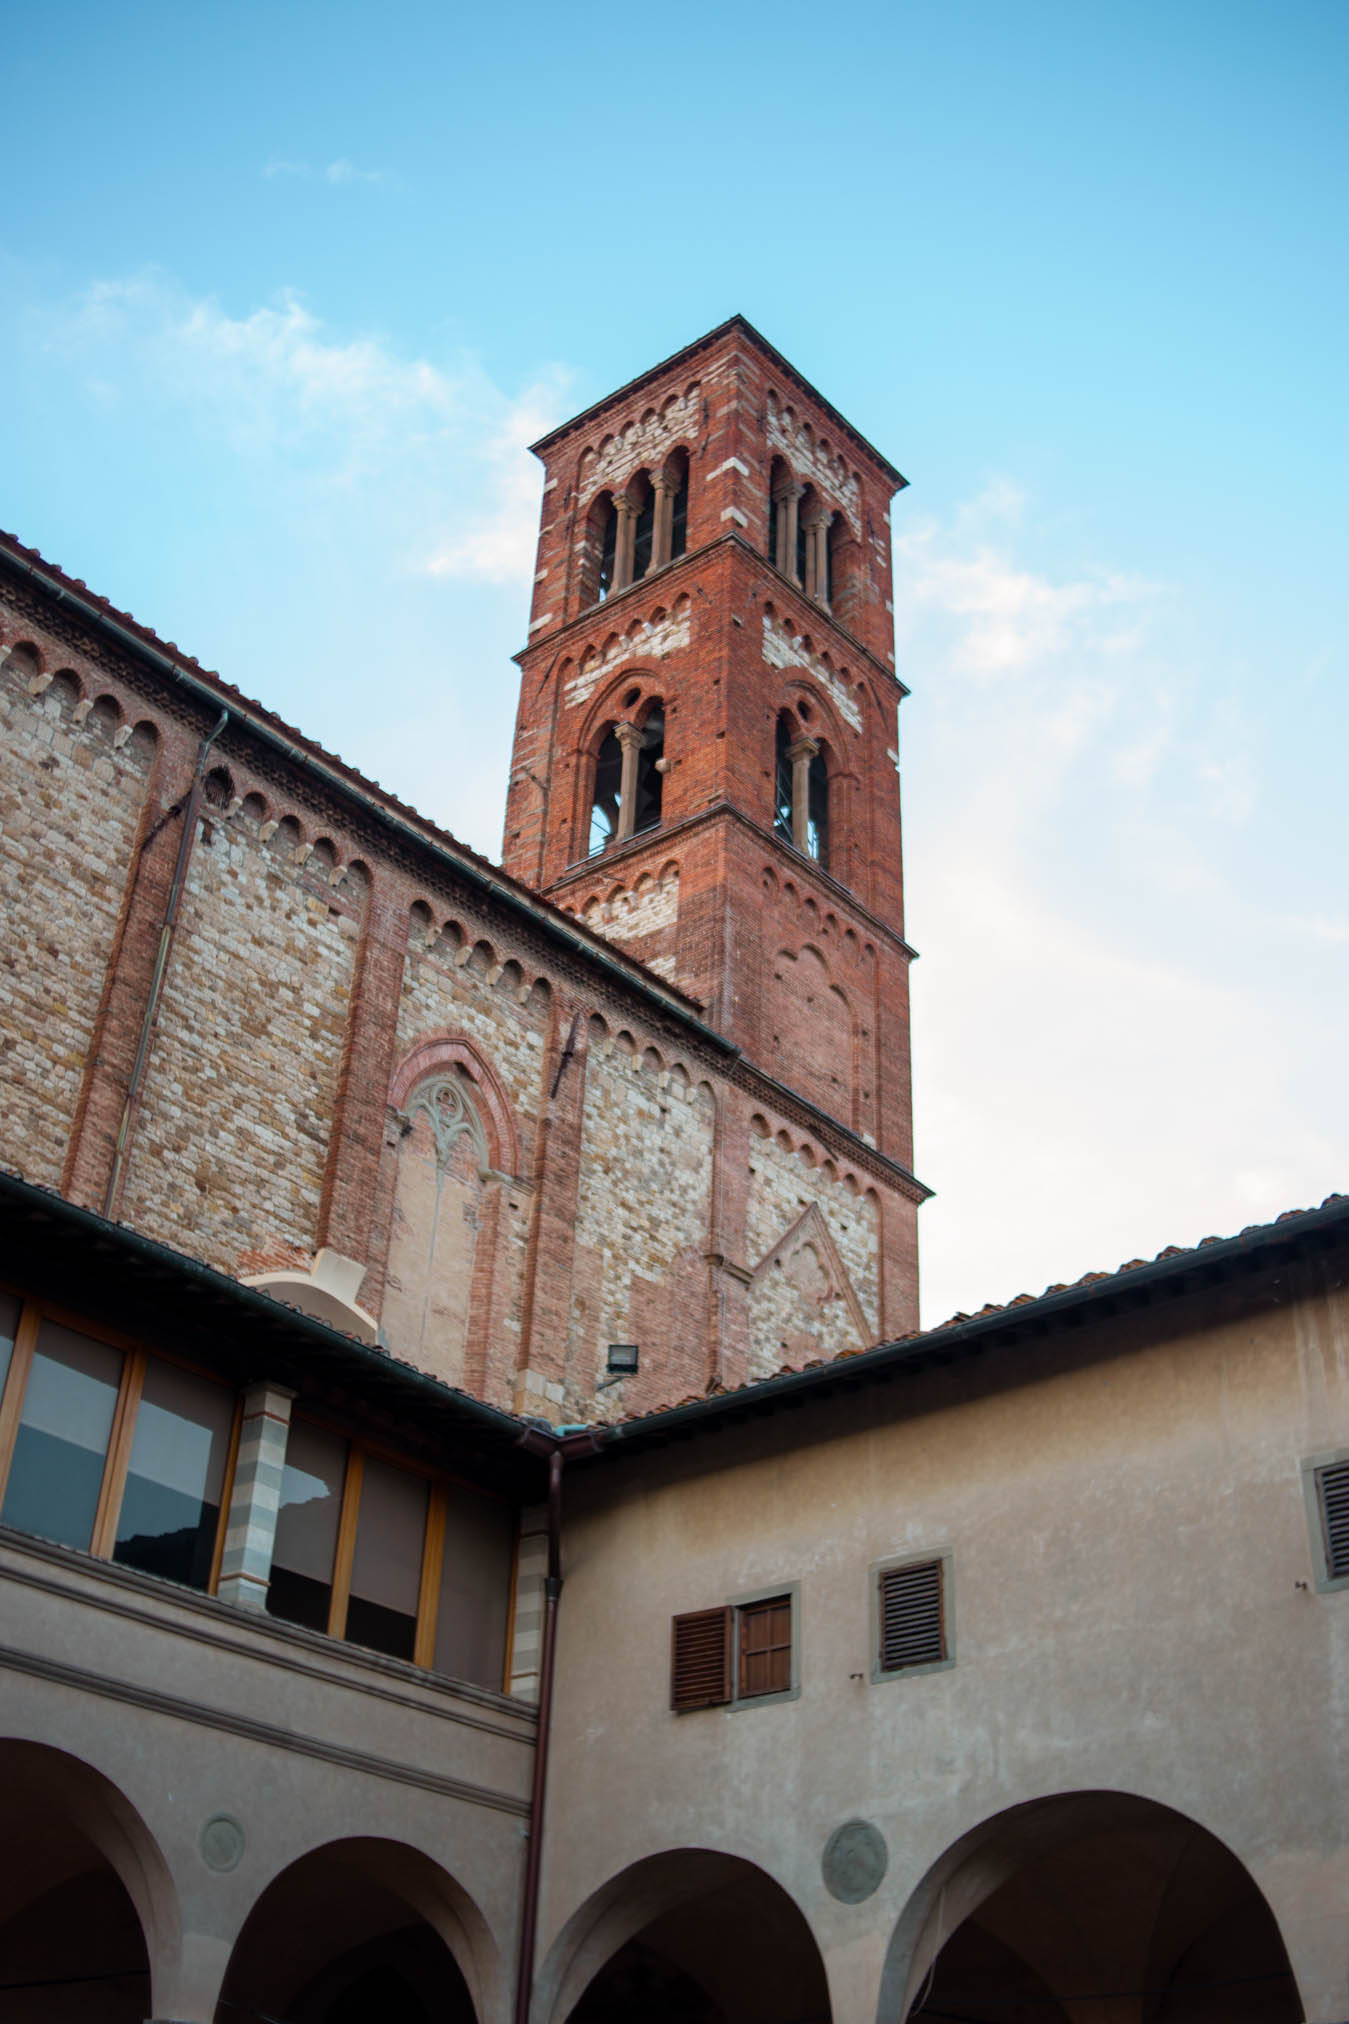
<point>801,751</point>
<point>630,738</point>
<point>817,554</point>
<point>786,506</point>
<point>664,485</point>
<point>624,542</point>
<point>250,1532</point>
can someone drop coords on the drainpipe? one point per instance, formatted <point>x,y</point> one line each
<point>552,1590</point>
<point>130,1108</point>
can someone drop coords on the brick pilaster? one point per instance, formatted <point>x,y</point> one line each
<point>130,972</point>
<point>351,1179</point>
<point>557,1172</point>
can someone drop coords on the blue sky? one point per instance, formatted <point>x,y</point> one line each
<point>289,288</point>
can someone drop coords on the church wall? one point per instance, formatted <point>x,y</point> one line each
<point>798,1309</point>
<point>312,961</point>
<point>642,1222</point>
<point>239,1102</point>
<point>73,782</point>
<point>458,1244</point>
<point>455,981</point>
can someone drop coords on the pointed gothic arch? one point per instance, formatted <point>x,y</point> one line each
<point>456,1155</point>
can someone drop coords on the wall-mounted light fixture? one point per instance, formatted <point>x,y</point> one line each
<point>620,1362</point>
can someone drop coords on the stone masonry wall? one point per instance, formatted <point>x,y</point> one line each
<point>241,1092</point>
<point>72,789</point>
<point>454,985</point>
<point>798,1307</point>
<point>642,1217</point>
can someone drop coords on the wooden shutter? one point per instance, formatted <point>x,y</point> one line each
<point>1332,1489</point>
<point>766,1647</point>
<point>700,1662</point>
<point>912,1626</point>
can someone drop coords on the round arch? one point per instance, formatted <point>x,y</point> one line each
<point>604,707</point>
<point>1089,1905</point>
<point>359,1929</point>
<point>688,1936</point>
<point>88,1908</point>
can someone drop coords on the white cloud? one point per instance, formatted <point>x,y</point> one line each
<point>1011,617</point>
<point>1101,1068</point>
<point>344,171</point>
<point>433,456</point>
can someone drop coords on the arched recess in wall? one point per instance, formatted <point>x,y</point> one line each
<point>1089,1903</point>
<point>87,1904</point>
<point>360,1929</point>
<point>688,1936</point>
<point>810,1031</point>
<point>456,1149</point>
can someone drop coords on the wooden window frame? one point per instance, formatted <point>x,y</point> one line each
<point>1326,1582</point>
<point>790,1593</point>
<point>779,1591</point>
<point>117,1455</point>
<point>439,1485</point>
<point>944,1558</point>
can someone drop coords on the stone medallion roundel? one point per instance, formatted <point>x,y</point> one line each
<point>855,1860</point>
<point>221,1842</point>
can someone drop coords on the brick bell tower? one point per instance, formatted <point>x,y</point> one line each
<point>705,765</point>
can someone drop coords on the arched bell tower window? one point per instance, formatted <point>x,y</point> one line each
<point>608,787</point>
<point>649,782</point>
<point>642,529</point>
<point>801,791</point>
<point>802,534</point>
<point>641,502</point>
<point>601,549</point>
<point>672,518</point>
<point>629,780</point>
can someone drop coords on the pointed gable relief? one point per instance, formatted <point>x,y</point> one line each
<point>802,1304</point>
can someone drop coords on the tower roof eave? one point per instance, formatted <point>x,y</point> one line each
<point>784,365</point>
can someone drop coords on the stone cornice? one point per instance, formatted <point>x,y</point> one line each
<point>632,596</point>
<point>741,327</point>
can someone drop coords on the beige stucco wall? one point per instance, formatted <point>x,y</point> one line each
<point>192,1709</point>
<point>1133,1611</point>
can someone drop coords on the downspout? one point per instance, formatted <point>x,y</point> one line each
<point>552,1590</point>
<point>149,1017</point>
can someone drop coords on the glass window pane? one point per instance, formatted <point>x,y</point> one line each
<point>386,1570</point>
<point>171,1503</point>
<point>475,1587</point>
<point>9,1325</point>
<point>306,1528</point>
<point>63,1436</point>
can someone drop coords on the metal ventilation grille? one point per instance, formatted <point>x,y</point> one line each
<point>700,1666</point>
<point>913,1629</point>
<point>1332,1487</point>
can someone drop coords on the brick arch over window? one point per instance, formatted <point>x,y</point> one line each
<point>449,1054</point>
<point>455,1210</point>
